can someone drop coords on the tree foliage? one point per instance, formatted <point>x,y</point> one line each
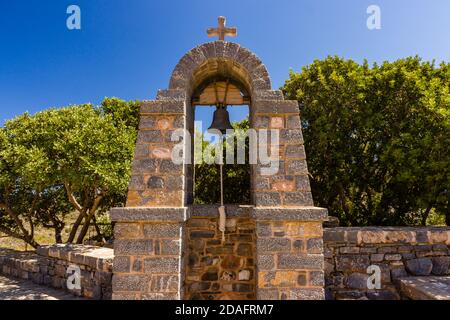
<point>377,138</point>
<point>236,177</point>
<point>61,160</point>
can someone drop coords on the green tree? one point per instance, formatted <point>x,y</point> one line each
<point>79,155</point>
<point>377,138</point>
<point>236,177</point>
<point>122,112</point>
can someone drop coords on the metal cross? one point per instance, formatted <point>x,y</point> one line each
<point>221,31</point>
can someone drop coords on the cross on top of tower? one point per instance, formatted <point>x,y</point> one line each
<point>221,31</point>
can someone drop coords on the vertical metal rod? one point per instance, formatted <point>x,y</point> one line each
<point>221,184</point>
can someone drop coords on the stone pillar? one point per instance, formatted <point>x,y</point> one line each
<point>149,232</point>
<point>289,253</point>
<point>148,253</point>
<point>156,181</point>
<point>289,187</point>
<point>289,247</point>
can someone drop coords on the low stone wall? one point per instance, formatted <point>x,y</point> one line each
<point>398,252</point>
<point>216,270</point>
<point>49,266</point>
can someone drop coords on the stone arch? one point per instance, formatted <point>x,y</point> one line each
<point>223,59</point>
<point>159,202</point>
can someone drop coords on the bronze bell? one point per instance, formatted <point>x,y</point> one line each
<point>221,119</point>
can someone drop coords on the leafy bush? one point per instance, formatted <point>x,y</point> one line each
<point>377,138</point>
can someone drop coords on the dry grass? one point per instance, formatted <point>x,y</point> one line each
<point>43,236</point>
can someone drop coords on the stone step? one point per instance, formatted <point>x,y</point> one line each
<point>425,288</point>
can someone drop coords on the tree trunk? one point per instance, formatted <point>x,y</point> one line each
<point>425,216</point>
<point>58,235</point>
<point>97,229</point>
<point>81,209</point>
<point>88,218</point>
<point>25,236</point>
<point>76,225</point>
<point>447,219</point>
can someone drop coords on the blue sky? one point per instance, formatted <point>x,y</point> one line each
<point>128,48</point>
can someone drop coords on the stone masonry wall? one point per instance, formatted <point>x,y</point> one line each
<point>216,270</point>
<point>290,258</point>
<point>156,181</point>
<point>289,186</point>
<point>49,267</point>
<point>399,252</point>
<point>148,249</point>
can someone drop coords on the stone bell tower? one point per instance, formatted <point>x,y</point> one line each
<point>167,248</point>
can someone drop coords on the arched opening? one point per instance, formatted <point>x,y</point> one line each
<point>233,97</point>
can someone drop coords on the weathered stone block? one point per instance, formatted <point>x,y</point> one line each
<point>377,257</point>
<point>263,229</point>
<point>266,199</point>
<point>150,136</point>
<point>397,273</point>
<point>307,294</point>
<point>357,263</point>
<point>273,245</point>
<point>314,245</point>
<point>296,167</point>
<point>267,294</point>
<point>162,230</point>
<point>274,106</point>
<point>278,279</point>
<point>164,283</point>
<point>393,257</point>
<point>419,267</point>
<point>357,281</point>
<point>351,250</point>
<point>293,121</point>
<point>161,265</point>
<point>333,235</point>
<point>441,266</point>
<point>131,247</point>
<point>317,278</point>
<point>300,261</point>
<point>297,199</point>
<point>168,166</point>
<point>144,166</point>
<point>199,234</point>
<point>290,214</point>
<point>170,247</point>
<point>265,262</point>
<point>130,282</point>
<point>127,231</point>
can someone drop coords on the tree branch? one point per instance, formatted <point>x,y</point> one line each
<point>71,197</point>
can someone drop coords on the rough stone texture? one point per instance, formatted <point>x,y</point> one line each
<point>425,288</point>
<point>149,256</point>
<point>149,214</point>
<point>48,266</point>
<point>287,183</point>
<point>211,58</point>
<point>289,256</point>
<point>219,270</point>
<point>401,253</point>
